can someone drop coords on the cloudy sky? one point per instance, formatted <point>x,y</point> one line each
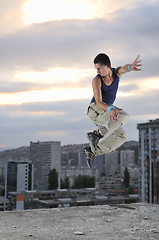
<point>47,49</point>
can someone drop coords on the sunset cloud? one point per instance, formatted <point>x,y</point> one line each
<point>12,15</point>
<point>46,66</point>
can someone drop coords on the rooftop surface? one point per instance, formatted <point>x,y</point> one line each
<point>152,123</point>
<point>134,222</point>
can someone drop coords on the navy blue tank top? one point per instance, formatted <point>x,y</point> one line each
<point>109,92</point>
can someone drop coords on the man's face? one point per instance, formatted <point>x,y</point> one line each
<point>103,70</point>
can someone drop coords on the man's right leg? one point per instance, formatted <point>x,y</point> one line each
<point>89,156</point>
<point>96,115</point>
<point>94,138</point>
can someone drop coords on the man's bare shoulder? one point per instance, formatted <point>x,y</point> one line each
<point>117,71</point>
<point>96,79</point>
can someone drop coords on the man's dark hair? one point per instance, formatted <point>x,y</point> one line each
<point>102,59</point>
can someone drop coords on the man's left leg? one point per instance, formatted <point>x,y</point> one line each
<point>112,142</point>
<point>105,128</point>
<point>106,145</point>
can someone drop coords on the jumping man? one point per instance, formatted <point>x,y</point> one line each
<point>108,118</point>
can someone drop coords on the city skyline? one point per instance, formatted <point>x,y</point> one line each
<point>46,65</point>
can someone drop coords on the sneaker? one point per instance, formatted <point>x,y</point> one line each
<point>93,140</point>
<point>89,156</point>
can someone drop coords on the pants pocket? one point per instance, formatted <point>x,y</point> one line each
<point>103,119</point>
<point>92,114</point>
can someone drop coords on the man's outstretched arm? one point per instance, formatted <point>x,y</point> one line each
<point>129,67</point>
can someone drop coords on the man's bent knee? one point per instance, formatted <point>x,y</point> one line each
<point>125,136</point>
<point>123,117</point>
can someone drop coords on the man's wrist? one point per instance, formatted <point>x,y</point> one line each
<point>129,68</point>
<point>110,108</point>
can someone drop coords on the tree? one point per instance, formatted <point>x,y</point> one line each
<point>131,190</point>
<point>84,181</point>
<point>65,184</point>
<point>73,156</point>
<point>126,178</point>
<point>53,179</point>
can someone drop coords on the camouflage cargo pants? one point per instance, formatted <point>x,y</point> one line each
<point>113,134</point>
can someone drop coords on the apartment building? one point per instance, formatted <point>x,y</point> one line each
<point>149,160</point>
<point>111,164</point>
<point>45,156</point>
<point>19,176</point>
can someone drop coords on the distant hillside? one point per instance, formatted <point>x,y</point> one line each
<point>17,154</point>
<point>23,153</point>
<point>130,144</point>
<point>73,147</point>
